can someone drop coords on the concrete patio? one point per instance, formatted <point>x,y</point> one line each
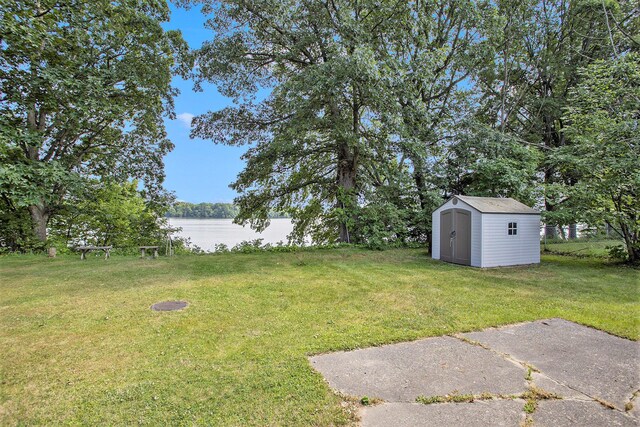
<point>544,373</point>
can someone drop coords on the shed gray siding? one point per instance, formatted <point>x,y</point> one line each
<point>500,249</point>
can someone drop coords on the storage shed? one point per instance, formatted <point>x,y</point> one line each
<point>486,232</point>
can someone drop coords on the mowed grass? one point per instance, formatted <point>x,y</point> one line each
<point>581,247</point>
<point>79,344</point>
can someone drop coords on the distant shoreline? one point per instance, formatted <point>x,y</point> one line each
<point>218,217</point>
<point>186,210</point>
<point>230,219</point>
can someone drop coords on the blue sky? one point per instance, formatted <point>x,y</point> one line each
<point>198,170</point>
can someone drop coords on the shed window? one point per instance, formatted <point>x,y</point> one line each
<point>513,228</point>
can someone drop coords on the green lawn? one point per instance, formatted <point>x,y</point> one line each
<point>581,247</point>
<point>79,345</point>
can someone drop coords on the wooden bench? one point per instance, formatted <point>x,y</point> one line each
<point>143,251</point>
<point>84,250</point>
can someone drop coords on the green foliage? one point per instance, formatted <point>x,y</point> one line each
<point>485,162</point>
<point>357,93</point>
<point>376,113</point>
<point>379,224</point>
<point>98,213</point>
<point>618,252</point>
<point>85,86</point>
<point>108,213</point>
<point>530,406</point>
<point>16,232</point>
<point>449,398</point>
<point>538,50</point>
<point>360,117</point>
<point>603,123</point>
<point>27,182</point>
<point>528,376</point>
<point>248,246</point>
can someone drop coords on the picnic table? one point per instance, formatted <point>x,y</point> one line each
<point>84,250</point>
<point>143,251</point>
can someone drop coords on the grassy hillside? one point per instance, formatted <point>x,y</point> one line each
<point>79,344</point>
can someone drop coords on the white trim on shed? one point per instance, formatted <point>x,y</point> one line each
<point>503,231</point>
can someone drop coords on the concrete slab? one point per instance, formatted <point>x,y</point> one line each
<point>429,367</point>
<point>565,413</point>
<point>635,408</point>
<point>547,384</point>
<point>494,413</point>
<point>634,411</point>
<point>590,361</point>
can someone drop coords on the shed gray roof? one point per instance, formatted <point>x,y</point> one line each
<point>497,205</point>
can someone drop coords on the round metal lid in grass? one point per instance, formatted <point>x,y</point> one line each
<point>169,305</point>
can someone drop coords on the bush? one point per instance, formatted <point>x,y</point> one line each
<point>618,252</point>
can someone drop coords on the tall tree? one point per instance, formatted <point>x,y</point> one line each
<point>353,87</point>
<point>432,51</point>
<point>314,131</point>
<point>539,52</point>
<point>603,116</point>
<point>83,89</point>
<point>435,50</point>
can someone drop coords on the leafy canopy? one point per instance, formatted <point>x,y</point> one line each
<point>84,87</point>
<point>604,123</point>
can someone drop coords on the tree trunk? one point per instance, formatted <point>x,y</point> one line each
<point>551,140</point>
<point>40,219</point>
<point>631,242</point>
<point>634,253</point>
<point>346,180</point>
<point>550,231</point>
<point>419,179</point>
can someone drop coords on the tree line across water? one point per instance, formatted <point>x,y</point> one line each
<point>208,210</point>
<point>358,118</point>
<point>202,210</point>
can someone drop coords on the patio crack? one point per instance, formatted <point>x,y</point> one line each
<point>530,369</point>
<point>531,397</point>
<point>628,407</point>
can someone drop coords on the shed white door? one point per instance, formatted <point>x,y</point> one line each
<point>455,236</point>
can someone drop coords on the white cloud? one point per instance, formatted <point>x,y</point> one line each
<point>185,119</point>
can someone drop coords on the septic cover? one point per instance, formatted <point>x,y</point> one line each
<point>169,305</point>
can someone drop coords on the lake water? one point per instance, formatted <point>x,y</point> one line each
<point>206,233</point>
